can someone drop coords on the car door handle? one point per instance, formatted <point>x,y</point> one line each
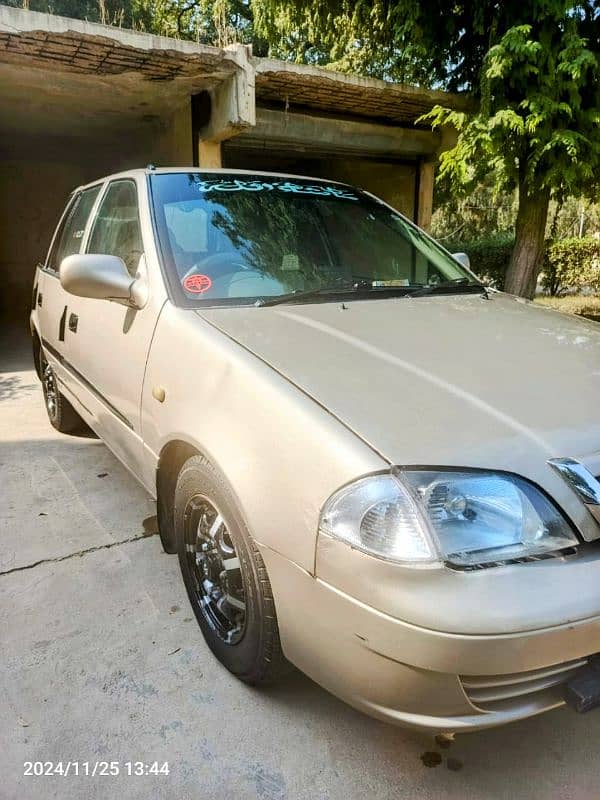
<point>73,320</point>
<point>39,299</point>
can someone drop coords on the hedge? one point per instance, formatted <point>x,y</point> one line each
<point>489,256</point>
<point>570,265</point>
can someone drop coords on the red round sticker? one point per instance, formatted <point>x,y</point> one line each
<point>197,283</point>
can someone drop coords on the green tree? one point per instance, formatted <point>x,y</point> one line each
<point>216,22</point>
<point>123,13</point>
<point>284,36</point>
<point>532,65</point>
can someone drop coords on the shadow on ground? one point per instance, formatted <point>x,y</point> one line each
<point>13,388</point>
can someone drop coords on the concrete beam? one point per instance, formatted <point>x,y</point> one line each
<point>22,21</point>
<point>308,133</point>
<point>232,101</point>
<point>321,87</point>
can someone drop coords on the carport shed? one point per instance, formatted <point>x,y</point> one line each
<point>80,100</point>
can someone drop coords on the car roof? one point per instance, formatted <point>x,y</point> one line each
<point>152,170</point>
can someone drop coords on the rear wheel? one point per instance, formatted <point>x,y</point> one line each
<point>225,576</point>
<point>60,412</point>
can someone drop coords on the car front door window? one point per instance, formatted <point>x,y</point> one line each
<point>116,230</point>
<point>70,234</point>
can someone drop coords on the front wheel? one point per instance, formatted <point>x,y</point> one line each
<point>225,576</point>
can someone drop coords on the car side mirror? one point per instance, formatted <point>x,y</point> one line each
<point>462,259</point>
<point>103,277</point>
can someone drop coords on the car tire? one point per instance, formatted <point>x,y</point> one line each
<point>225,576</point>
<point>60,412</point>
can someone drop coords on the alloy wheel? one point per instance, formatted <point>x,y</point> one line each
<point>50,388</point>
<point>215,568</point>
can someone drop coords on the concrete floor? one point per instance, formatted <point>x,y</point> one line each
<point>100,660</point>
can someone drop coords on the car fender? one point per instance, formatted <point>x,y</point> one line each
<point>281,452</point>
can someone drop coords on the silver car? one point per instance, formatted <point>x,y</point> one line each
<point>371,466</point>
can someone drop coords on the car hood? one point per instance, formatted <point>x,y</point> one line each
<point>448,380</point>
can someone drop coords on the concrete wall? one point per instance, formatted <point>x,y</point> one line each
<point>380,158</point>
<point>393,181</point>
<point>28,212</point>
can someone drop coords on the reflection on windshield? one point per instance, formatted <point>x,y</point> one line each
<point>240,238</point>
<point>282,241</point>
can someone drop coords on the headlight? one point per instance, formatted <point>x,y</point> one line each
<point>465,518</point>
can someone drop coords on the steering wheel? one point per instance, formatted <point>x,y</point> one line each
<point>211,264</point>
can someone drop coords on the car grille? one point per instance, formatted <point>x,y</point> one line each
<point>500,692</point>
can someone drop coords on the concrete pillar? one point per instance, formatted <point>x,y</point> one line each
<point>209,154</point>
<point>426,179</point>
<point>231,109</point>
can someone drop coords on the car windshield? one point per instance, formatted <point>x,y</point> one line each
<point>239,239</point>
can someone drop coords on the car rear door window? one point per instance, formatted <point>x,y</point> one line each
<point>116,230</point>
<point>70,234</point>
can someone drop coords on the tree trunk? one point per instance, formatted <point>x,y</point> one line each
<point>528,253</point>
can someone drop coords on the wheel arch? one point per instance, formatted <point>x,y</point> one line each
<point>172,457</point>
<point>36,344</point>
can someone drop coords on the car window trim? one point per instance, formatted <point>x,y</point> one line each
<point>45,265</point>
<point>165,273</point>
<point>70,206</point>
<point>98,185</point>
<point>92,215</point>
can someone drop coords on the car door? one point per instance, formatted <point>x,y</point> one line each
<point>54,304</point>
<point>111,340</point>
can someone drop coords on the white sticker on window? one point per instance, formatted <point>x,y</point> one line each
<point>238,185</point>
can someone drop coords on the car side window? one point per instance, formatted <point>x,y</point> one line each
<point>70,234</point>
<point>116,230</point>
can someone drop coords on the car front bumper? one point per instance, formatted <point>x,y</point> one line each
<point>414,676</point>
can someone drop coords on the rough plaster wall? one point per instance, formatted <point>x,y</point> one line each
<point>32,196</point>
<point>394,183</point>
<point>173,145</point>
<point>37,175</point>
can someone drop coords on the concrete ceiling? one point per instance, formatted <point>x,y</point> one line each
<point>67,77</point>
<point>284,85</point>
<point>76,105</point>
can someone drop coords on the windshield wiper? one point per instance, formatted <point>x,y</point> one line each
<point>293,297</point>
<point>358,286</point>
<point>447,287</point>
